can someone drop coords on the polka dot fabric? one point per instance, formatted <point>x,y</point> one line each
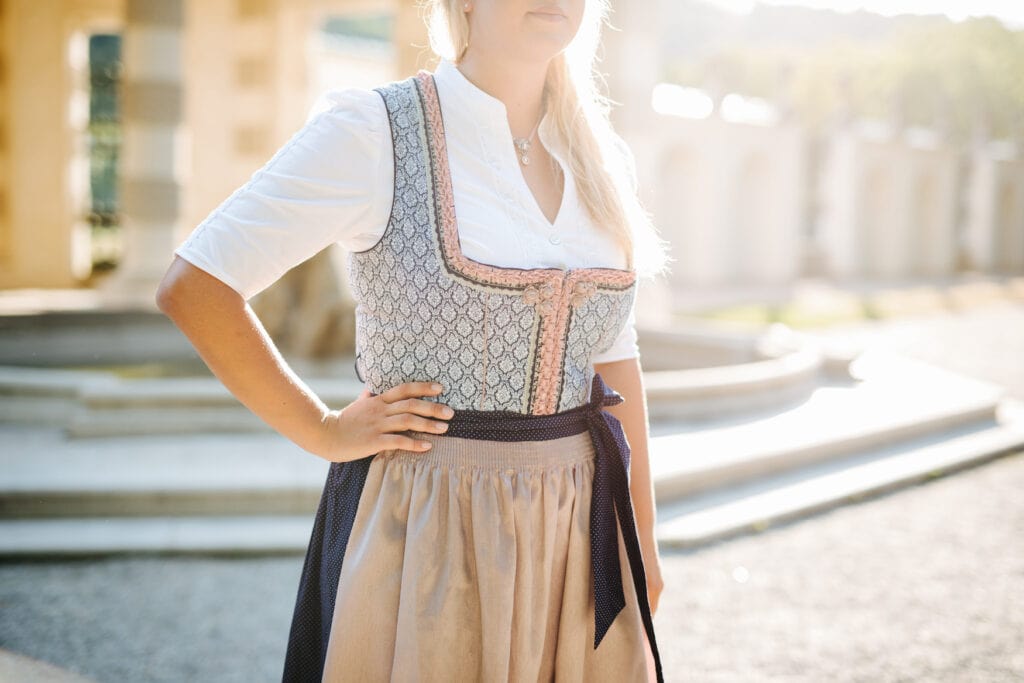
<point>311,619</point>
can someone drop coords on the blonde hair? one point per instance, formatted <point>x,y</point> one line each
<point>599,159</point>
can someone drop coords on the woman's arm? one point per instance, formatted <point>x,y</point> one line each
<point>626,377</point>
<point>235,346</point>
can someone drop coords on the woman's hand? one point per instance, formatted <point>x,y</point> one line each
<point>368,424</point>
<point>655,582</point>
<point>652,568</point>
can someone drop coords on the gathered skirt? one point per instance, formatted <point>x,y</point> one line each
<point>467,562</point>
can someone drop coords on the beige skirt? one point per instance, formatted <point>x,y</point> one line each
<point>471,562</point>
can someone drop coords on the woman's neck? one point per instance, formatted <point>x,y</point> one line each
<point>519,85</point>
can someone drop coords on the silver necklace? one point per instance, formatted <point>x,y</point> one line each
<point>523,144</point>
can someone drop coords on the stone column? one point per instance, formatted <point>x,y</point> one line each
<point>40,170</point>
<point>152,149</point>
<point>632,62</point>
<point>5,145</point>
<point>409,38</point>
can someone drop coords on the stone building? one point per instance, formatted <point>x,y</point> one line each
<point>889,203</point>
<point>994,223</point>
<point>209,90</point>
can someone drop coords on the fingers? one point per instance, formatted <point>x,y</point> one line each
<point>654,589</point>
<point>409,421</point>
<point>404,399</point>
<point>388,442</point>
<point>410,390</point>
<point>418,406</point>
<point>404,410</point>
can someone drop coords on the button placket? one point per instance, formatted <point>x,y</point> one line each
<point>582,291</point>
<point>542,296</point>
<point>493,158</point>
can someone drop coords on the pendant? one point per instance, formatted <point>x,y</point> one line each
<point>523,145</point>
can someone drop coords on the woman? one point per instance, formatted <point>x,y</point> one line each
<point>481,528</point>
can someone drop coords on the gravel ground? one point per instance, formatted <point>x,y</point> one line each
<point>923,584</point>
<point>153,619</point>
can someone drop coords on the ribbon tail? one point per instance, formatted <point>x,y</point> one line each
<point>611,495</point>
<point>627,521</point>
<point>609,598</point>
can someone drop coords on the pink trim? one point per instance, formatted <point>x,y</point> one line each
<point>552,356</point>
<point>551,290</point>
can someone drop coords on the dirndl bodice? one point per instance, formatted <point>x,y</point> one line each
<point>497,338</point>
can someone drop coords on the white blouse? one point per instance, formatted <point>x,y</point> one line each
<point>333,181</point>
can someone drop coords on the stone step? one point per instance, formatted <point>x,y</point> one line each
<point>190,474</point>
<point>694,522</point>
<point>763,371</point>
<point>185,535</point>
<point>253,473</point>
<point>895,400</point>
<point>900,412</point>
<point>95,404</point>
<point>758,505</point>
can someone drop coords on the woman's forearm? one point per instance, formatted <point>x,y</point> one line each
<point>236,347</point>
<point>626,377</point>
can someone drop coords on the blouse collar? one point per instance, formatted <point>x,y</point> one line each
<point>476,108</point>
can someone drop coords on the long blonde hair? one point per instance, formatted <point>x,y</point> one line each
<point>599,159</point>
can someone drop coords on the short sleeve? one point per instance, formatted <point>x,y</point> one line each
<point>625,345</point>
<point>331,182</point>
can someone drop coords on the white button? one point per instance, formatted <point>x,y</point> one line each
<point>554,239</point>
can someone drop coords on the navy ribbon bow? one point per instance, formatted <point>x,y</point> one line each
<point>611,485</point>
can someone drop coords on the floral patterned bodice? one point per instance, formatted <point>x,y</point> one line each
<point>497,338</point>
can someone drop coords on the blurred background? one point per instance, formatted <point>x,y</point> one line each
<point>834,365</point>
